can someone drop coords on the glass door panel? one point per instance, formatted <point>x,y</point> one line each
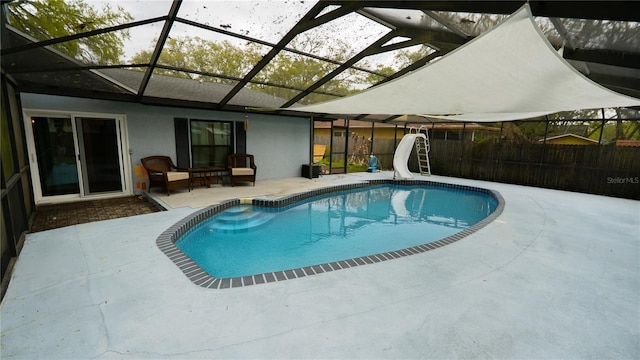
<point>54,143</point>
<point>98,140</point>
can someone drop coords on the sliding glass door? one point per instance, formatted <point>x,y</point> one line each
<point>77,156</point>
<point>56,155</point>
<point>98,143</point>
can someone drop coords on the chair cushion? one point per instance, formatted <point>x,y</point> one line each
<point>241,171</point>
<point>177,175</point>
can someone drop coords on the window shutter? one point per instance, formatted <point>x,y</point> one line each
<point>241,138</point>
<point>183,152</point>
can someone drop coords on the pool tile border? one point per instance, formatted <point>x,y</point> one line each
<point>166,241</point>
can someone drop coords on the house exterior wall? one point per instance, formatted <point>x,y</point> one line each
<point>280,144</point>
<point>570,141</point>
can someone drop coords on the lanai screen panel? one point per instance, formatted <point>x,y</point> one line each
<point>511,72</point>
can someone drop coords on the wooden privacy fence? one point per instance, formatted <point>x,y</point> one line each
<point>596,169</point>
<point>605,170</point>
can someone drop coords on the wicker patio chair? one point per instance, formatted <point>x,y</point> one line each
<point>242,168</point>
<point>163,173</point>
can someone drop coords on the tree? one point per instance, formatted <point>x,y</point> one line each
<point>199,55</point>
<point>295,72</point>
<point>285,76</point>
<point>405,58</point>
<point>52,19</point>
<point>625,125</point>
<point>401,60</point>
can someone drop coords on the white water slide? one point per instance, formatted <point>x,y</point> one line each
<point>401,157</point>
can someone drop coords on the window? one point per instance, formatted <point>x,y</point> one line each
<point>211,142</point>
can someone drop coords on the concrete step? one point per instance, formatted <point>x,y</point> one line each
<point>240,218</point>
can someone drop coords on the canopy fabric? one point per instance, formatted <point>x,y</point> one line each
<point>480,117</point>
<point>511,72</point>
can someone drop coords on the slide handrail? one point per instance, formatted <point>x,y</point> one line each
<point>416,129</point>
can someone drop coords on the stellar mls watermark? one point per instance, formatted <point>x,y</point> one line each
<point>623,180</point>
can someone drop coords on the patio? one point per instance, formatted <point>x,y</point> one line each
<point>53,216</point>
<point>557,275</point>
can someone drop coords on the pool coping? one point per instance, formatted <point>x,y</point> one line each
<point>197,275</point>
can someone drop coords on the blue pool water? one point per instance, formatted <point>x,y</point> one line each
<point>248,240</point>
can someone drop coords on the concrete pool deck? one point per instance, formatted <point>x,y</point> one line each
<point>557,275</point>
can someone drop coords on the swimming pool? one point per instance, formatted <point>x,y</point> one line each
<point>231,245</point>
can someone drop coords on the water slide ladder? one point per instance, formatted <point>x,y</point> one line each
<point>422,147</point>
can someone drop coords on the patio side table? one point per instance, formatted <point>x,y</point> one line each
<point>205,175</point>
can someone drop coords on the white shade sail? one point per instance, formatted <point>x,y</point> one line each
<point>511,72</point>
